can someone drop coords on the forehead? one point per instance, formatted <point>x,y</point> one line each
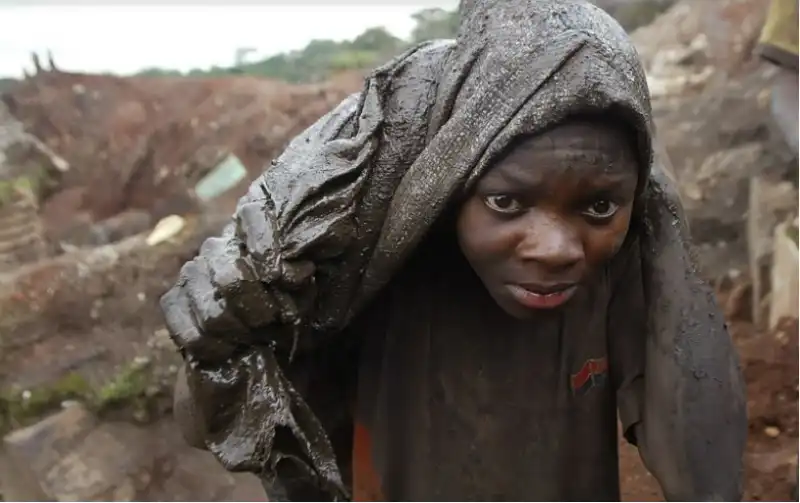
<point>576,148</point>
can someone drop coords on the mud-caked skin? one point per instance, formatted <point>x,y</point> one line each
<point>266,315</point>
<point>550,214</point>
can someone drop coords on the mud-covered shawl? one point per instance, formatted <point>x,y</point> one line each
<point>330,221</point>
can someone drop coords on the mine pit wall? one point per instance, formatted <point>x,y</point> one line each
<point>24,164</point>
<point>21,235</point>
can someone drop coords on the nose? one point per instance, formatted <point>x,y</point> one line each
<point>550,241</point>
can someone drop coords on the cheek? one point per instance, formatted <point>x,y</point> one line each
<point>480,238</point>
<point>602,243</point>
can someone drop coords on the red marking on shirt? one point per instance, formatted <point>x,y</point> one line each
<point>366,482</point>
<point>590,368</point>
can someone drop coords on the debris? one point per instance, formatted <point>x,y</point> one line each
<point>784,296</point>
<point>222,178</point>
<point>772,431</point>
<point>165,229</point>
<point>770,202</point>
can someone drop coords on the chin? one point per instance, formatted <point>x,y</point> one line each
<point>514,309</point>
<point>517,311</point>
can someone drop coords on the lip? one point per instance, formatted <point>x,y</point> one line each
<point>542,296</point>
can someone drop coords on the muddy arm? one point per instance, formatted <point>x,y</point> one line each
<point>259,314</point>
<point>693,418</point>
<point>241,313</point>
<point>626,335</point>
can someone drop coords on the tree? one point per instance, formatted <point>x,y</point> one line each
<point>158,72</point>
<point>378,40</point>
<point>434,23</point>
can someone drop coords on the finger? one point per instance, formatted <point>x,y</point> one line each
<point>187,333</point>
<point>254,227</point>
<point>233,277</point>
<point>208,305</point>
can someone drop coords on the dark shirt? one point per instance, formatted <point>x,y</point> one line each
<point>459,401</point>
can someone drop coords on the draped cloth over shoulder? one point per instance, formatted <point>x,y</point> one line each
<point>329,223</point>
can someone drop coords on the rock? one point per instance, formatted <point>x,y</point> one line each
<point>160,340</point>
<point>120,226</point>
<point>770,202</point>
<point>71,457</point>
<point>784,276</point>
<point>125,492</point>
<point>772,461</point>
<point>730,163</point>
<point>182,483</point>
<point>772,431</point>
<point>21,232</point>
<point>666,85</point>
<point>165,229</point>
<point>693,192</point>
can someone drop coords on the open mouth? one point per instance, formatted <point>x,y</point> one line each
<point>541,296</point>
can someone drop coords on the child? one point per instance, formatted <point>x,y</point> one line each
<point>448,287</point>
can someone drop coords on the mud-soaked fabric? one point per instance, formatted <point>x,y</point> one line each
<point>260,315</point>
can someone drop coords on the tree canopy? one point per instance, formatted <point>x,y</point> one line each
<point>317,60</point>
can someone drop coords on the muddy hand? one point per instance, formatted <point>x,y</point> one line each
<point>218,300</point>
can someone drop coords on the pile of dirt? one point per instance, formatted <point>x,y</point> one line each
<point>711,109</point>
<point>728,29</point>
<point>145,140</point>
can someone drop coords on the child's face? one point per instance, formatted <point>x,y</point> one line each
<point>550,213</point>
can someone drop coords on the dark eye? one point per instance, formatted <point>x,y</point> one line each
<point>502,204</point>
<point>601,209</point>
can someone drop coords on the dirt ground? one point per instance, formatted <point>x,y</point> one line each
<point>93,313</point>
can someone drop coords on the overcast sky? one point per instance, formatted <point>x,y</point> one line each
<point>125,39</point>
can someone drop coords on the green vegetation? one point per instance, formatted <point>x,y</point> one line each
<point>320,58</point>
<point>11,189</point>
<point>17,406</point>
<point>792,232</point>
<point>38,177</point>
<point>131,388</point>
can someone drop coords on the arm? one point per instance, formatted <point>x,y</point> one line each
<point>259,314</point>
<point>626,336</point>
<point>691,425</point>
<point>627,350</point>
<point>242,314</point>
